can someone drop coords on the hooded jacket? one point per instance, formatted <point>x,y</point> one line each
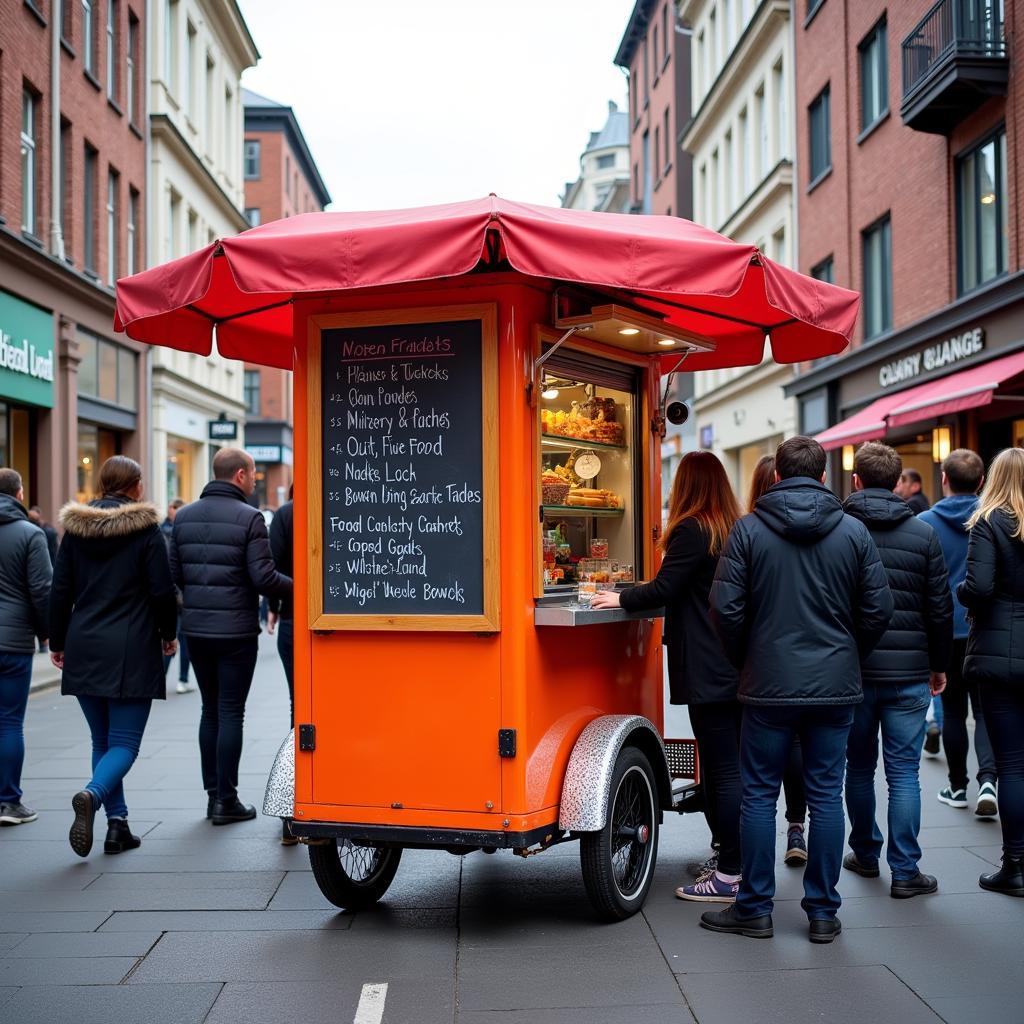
<point>919,639</point>
<point>799,598</point>
<point>112,600</point>
<point>993,594</point>
<point>24,579</point>
<point>948,518</point>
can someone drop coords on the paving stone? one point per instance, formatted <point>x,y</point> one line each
<point>665,1013</point>
<point>196,881</point>
<point>135,944</point>
<point>979,1008</point>
<point>185,1003</point>
<point>108,899</point>
<point>227,921</point>
<point>50,921</point>
<point>8,940</point>
<point>71,970</point>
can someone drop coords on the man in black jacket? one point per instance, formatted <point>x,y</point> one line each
<point>221,562</point>
<point>799,598</point>
<point>905,670</point>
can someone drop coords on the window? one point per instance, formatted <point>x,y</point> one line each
<point>982,201</point>
<point>877,241</point>
<point>712,46</point>
<point>89,184</point>
<point>824,271</point>
<point>636,183</point>
<point>715,206</point>
<point>700,66</point>
<point>173,216</point>
<point>605,160</point>
<point>779,88</point>
<point>657,147</point>
<point>228,129</point>
<point>287,176</point>
<point>28,161</point>
<point>779,247</point>
<point>761,114</point>
<point>668,140</point>
<point>171,44</point>
<point>648,182</point>
<point>647,74</point>
<point>704,214</point>
<point>252,215</point>
<point>189,84</point>
<point>632,94</point>
<point>107,371</point>
<point>665,30</point>
<point>193,230</point>
<point>131,232</point>
<point>874,85</point>
<point>66,186</point>
<point>65,21</point>
<point>812,9</point>
<point>210,97</point>
<point>89,37</point>
<point>727,26</point>
<point>252,159</point>
<point>112,183</point>
<point>657,49</point>
<point>132,67</point>
<point>821,134</point>
<point>746,156</point>
<point>727,169</point>
<point>112,49</point>
<point>251,388</point>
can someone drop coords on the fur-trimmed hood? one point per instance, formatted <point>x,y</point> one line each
<point>108,521</point>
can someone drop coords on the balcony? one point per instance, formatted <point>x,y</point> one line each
<point>953,61</point>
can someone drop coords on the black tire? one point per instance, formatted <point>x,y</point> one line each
<point>353,877</point>
<point>618,862</point>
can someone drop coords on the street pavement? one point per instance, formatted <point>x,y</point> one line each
<point>223,924</point>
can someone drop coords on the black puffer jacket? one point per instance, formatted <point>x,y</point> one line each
<point>799,598</point>
<point>282,538</point>
<point>221,562</point>
<point>919,639</point>
<point>993,594</point>
<point>698,670</point>
<point>112,600</point>
<point>24,579</point>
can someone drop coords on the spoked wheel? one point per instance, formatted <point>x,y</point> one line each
<point>618,862</point>
<point>353,877</point>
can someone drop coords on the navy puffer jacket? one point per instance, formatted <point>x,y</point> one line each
<point>221,562</point>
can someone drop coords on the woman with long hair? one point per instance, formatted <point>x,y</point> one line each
<point>993,594</point>
<point>113,617</point>
<point>702,511</point>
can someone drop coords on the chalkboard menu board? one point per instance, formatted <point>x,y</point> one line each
<point>407,473</point>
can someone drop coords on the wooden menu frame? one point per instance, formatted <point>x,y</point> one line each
<point>489,621</point>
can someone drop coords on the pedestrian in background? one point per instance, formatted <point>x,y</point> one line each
<point>900,676</point>
<point>113,618</point>
<point>35,514</point>
<point>702,510</point>
<point>993,594</point>
<point>221,561</point>
<point>799,598</point>
<point>184,685</point>
<point>909,489</point>
<point>963,473</point>
<point>24,598</point>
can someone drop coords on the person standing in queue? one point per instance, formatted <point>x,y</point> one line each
<point>993,594</point>
<point>184,685</point>
<point>221,562</point>
<point>910,488</point>
<point>702,511</point>
<point>798,599</point>
<point>113,618</point>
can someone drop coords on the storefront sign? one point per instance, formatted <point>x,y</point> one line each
<point>26,352</point>
<point>707,436</point>
<point>223,430</point>
<point>264,452</point>
<point>952,350</point>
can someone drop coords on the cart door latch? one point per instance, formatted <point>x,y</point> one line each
<point>307,737</point>
<point>506,743</point>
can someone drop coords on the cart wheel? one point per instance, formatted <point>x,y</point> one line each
<point>618,862</point>
<point>353,877</point>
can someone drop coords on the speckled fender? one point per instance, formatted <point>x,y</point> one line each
<point>279,801</point>
<point>588,777</point>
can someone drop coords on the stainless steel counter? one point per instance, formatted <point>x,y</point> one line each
<point>561,611</point>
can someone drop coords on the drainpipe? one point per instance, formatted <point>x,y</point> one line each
<point>56,228</point>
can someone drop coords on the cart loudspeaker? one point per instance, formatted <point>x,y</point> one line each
<point>588,777</point>
<point>677,412</point>
<point>279,800</point>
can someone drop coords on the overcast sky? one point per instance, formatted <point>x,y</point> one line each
<point>412,102</point>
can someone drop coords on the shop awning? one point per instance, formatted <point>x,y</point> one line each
<point>867,425</point>
<point>695,279</point>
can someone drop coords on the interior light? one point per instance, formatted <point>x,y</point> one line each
<point>988,198</point>
<point>941,443</point>
<point>86,460</point>
<point>667,342</point>
<point>630,330</point>
<point>847,458</point>
<point>549,393</point>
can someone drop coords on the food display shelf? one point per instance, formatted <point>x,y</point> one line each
<point>559,440</point>
<point>581,510</point>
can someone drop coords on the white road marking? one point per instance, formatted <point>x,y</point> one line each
<point>371,1004</point>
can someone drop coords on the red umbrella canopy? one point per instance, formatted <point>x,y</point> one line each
<point>695,279</point>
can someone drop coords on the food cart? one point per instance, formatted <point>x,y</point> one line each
<point>480,400</point>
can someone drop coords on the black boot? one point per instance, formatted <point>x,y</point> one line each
<point>120,837</point>
<point>85,805</point>
<point>1009,879</point>
<point>224,812</point>
<point>211,797</point>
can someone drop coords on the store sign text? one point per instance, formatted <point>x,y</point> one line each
<point>952,350</point>
<point>23,358</point>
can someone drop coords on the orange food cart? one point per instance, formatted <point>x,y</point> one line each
<point>479,409</point>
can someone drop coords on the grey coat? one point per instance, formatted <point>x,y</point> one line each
<point>25,575</point>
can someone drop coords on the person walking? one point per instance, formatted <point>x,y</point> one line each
<point>906,668</point>
<point>24,601</point>
<point>909,488</point>
<point>702,511</point>
<point>113,617</point>
<point>963,473</point>
<point>798,599</point>
<point>993,594</point>
<point>221,562</point>
<point>184,684</point>
<point>35,514</point>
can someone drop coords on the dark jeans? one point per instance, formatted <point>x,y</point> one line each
<point>182,659</point>
<point>716,727</point>
<point>765,745</point>
<point>954,724</point>
<point>286,650</point>
<point>793,785</point>
<point>224,669</point>
<point>117,727</point>
<point>899,710</point>
<point>15,677</point>
<point>1004,712</point>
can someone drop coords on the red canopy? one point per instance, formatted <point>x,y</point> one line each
<point>694,278</point>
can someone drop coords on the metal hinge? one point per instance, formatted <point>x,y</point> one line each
<point>506,743</point>
<point>307,737</point>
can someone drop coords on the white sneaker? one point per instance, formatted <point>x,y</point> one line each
<point>186,687</point>
<point>986,807</point>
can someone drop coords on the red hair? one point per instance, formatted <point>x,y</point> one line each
<point>701,491</point>
<point>763,478</point>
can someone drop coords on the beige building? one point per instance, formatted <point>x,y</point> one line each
<point>199,49</point>
<point>741,141</point>
<point>603,183</point>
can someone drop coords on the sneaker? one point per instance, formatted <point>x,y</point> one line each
<point>931,740</point>
<point>920,885</point>
<point>953,797</point>
<point>704,869</point>
<point>709,890</point>
<point>184,686</point>
<point>16,814</point>
<point>796,847</point>
<point>986,807</point>
<point>84,805</point>
<point>727,921</point>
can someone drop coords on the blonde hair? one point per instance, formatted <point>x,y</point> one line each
<point>1004,489</point>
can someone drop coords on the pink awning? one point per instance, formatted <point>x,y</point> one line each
<point>866,425</point>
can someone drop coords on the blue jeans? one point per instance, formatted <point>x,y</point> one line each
<point>15,676</point>
<point>937,712</point>
<point>765,744</point>
<point>183,662</point>
<point>116,727</point>
<point>900,710</point>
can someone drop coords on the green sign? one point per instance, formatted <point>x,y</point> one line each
<point>26,352</point>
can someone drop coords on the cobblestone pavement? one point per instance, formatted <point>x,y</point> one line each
<point>224,924</point>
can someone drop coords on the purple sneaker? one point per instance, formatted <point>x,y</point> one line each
<point>710,889</point>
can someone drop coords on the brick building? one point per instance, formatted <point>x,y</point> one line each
<point>72,192</point>
<point>281,180</point>
<point>908,121</point>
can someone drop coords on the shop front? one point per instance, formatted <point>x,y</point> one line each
<point>270,445</point>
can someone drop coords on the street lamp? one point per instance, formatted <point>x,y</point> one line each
<point>941,443</point>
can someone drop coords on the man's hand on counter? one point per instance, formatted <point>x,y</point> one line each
<point>605,599</point>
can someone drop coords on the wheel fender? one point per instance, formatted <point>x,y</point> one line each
<point>279,800</point>
<point>588,776</point>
